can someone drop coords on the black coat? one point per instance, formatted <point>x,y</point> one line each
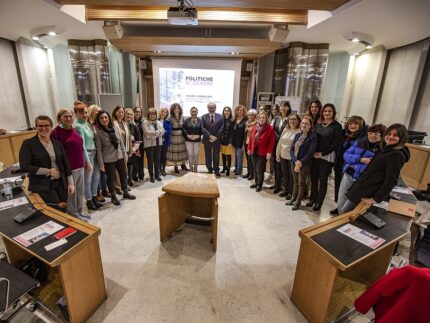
<point>227,132</point>
<point>238,135</point>
<point>306,150</point>
<point>380,176</point>
<point>33,156</point>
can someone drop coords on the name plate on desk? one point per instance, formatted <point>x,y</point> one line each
<point>402,201</point>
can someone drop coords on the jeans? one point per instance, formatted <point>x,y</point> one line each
<point>91,177</point>
<point>75,201</point>
<point>153,155</point>
<point>345,184</point>
<point>111,169</point>
<point>212,156</point>
<point>348,206</point>
<point>238,160</point>
<point>193,154</point>
<point>320,171</point>
<point>300,179</point>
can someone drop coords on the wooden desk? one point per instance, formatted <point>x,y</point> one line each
<point>193,194</point>
<point>10,145</point>
<point>333,269</point>
<point>77,263</point>
<point>416,172</point>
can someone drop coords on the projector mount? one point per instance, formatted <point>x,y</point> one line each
<point>183,14</point>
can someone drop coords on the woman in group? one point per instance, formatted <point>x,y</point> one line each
<point>167,126</point>
<point>357,157</point>
<point>276,123</point>
<point>314,111</point>
<point>261,148</point>
<point>91,174</point>
<point>138,172</point>
<point>238,137</point>
<point>136,141</point>
<point>382,174</point>
<point>102,190</point>
<point>250,124</point>
<point>283,156</point>
<point>301,151</point>
<point>192,130</point>
<point>45,162</point>
<point>153,141</point>
<point>355,128</point>
<point>285,111</point>
<point>76,155</point>
<point>226,146</point>
<point>111,155</point>
<point>177,151</point>
<point>329,133</point>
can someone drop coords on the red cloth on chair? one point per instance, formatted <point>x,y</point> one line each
<point>402,295</point>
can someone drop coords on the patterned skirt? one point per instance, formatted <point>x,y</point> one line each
<point>177,151</point>
<point>227,150</point>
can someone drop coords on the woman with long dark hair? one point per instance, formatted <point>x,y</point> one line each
<point>136,142</point>
<point>177,151</point>
<point>111,155</point>
<point>314,111</point>
<point>226,148</point>
<point>138,172</point>
<point>329,133</point>
<point>163,116</point>
<point>238,137</point>
<point>382,173</point>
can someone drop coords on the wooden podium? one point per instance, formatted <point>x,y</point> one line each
<point>74,270</point>
<point>333,269</point>
<point>192,195</point>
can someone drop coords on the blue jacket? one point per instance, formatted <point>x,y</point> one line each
<point>352,158</point>
<point>167,131</point>
<point>306,150</point>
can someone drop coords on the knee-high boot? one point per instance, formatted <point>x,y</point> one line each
<point>224,157</point>
<point>228,165</point>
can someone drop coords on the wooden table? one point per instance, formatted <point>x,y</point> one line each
<point>191,195</point>
<point>76,267</point>
<point>333,269</point>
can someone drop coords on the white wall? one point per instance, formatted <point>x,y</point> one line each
<point>12,113</point>
<point>34,67</point>
<point>367,70</point>
<point>63,86</point>
<point>401,82</point>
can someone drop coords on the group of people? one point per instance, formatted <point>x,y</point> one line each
<point>92,154</point>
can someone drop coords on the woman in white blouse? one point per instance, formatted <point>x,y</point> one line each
<point>153,141</point>
<point>283,152</point>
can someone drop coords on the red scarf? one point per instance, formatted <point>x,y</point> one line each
<point>260,130</point>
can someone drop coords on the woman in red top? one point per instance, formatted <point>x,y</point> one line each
<point>260,147</point>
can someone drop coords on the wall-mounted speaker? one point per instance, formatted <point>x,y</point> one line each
<point>249,67</point>
<point>143,64</point>
<point>278,35</point>
<point>113,31</point>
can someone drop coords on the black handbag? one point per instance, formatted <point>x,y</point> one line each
<point>34,268</point>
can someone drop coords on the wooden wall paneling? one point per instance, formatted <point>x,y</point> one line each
<point>6,152</point>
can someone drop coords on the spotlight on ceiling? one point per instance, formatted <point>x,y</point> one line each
<point>234,53</point>
<point>361,38</point>
<point>41,35</point>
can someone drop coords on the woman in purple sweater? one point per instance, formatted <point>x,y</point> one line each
<point>76,155</point>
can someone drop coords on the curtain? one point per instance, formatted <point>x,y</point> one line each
<point>89,59</point>
<point>299,71</point>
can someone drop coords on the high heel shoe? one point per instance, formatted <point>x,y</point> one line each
<point>310,203</point>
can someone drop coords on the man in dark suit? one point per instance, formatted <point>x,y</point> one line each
<point>212,127</point>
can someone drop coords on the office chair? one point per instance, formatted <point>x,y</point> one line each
<point>14,285</point>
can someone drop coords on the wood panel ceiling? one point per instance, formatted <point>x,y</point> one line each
<point>278,4</point>
<point>230,12</point>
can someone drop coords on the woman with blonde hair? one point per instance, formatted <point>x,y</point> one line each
<point>153,141</point>
<point>250,124</point>
<point>226,148</point>
<point>192,130</point>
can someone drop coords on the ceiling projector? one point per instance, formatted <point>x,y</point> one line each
<point>182,16</point>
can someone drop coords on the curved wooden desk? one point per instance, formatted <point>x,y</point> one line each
<point>190,195</point>
<point>77,264</point>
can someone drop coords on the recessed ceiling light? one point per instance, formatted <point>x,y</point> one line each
<point>234,53</point>
<point>35,38</point>
<point>355,40</point>
<point>52,33</point>
<point>369,47</point>
<point>157,51</point>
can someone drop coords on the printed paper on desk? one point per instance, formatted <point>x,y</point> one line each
<point>38,233</point>
<point>12,203</point>
<point>361,236</point>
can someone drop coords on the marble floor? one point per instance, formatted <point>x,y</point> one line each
<point>248,279</point>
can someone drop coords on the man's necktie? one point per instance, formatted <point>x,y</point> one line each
<point>212,121</point>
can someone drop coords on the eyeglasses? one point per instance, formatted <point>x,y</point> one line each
<point>41,126</point>
<point>376,134</point>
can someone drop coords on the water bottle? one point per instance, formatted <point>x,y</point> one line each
<point>7,190</point>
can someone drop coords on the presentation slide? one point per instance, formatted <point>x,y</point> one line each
<point>196,87</point>
<point>196,82</point>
